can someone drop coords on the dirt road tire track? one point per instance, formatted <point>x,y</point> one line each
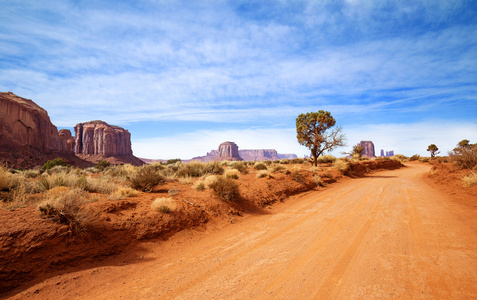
<point>384,236</point>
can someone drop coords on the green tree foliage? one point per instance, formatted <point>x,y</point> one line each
<point>102,164</point>
<point>432,148</point>
<point>52,163</point>
<point>464,144</point>
<point>316,131</point>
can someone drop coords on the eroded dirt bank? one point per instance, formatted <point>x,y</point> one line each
<point>33,248</point>
<point>389,235</point>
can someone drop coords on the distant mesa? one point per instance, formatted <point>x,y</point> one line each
<point>230,151</point>
<point>28,138</point>
<point>368,148</point>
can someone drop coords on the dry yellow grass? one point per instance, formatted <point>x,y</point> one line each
<point>232,173</point>
<point>470,180</point>
<point>164,205</point>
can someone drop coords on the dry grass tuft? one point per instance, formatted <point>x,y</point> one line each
<point>5,178</point>
<point>341,165</point>
<point>240,166</point>
<point>66,206</point>
<point>164,205</point>
<point>123,193</point>
<point>232,173</point>
<point>470,180</point>
<point>262,174</point>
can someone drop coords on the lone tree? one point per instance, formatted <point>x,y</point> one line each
<point>433,149</point>
<point>315,131</point>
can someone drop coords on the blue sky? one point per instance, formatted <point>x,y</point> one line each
<point>184,76</point>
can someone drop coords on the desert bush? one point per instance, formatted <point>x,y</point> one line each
<point>284,161</point>
<point>92,170</point>
<point>414,157</point>
<point>240,166</point>
<point>297,160</point>
<point>276,168</point>
<point>57,169</point>
<point>341,165</point>
<point>102,185</point>
<point>232,173</point>
<point>102,164</point>
<point>464,156</point>
<point>145,178</point>
<point>198,169</point>
<point>470,180</point>
<point>63,178</point>
<point>123,193</point>
<point>260,166</point>
<point>66,206</point>
<point>326,159</point>
<point>164,205</point>
<point>31,173</point>
<point>262,174</point>
<point>296,175</point>
<point>225,188</point>
<point>52,163</point>
<point>119,171</point>
<point>173,161</point>
<point>209,180</point>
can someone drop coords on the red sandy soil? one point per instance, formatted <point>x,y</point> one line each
<point>388,235</point>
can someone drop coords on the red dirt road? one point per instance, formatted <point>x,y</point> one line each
<point>384,236</point>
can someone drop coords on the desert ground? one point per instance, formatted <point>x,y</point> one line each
<point>392,234</point>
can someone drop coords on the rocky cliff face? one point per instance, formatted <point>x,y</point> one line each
<point>67,142</point>
<point>368,148</point>
<point>100,138</point>
<point>25,124</point>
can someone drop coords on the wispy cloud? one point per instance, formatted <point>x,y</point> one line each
<point>259,63</point>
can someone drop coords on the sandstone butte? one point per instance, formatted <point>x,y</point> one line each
<point>28,138</point>
<point>368,148</point>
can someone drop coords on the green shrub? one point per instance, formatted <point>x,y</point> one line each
<point>225,188</point>
<point>424,159</point>
<point>56,162</point>
<point>414,157</point>
<point>102,164</point>
<point>145,178</point>
<point>260,166</point>
<point>173,161</point>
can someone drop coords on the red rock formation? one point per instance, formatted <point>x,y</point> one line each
<point>67,142</point>
<point>368,148</point>
<point>100,138</point>
<point>25,124</point>
<point>229,151</point>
